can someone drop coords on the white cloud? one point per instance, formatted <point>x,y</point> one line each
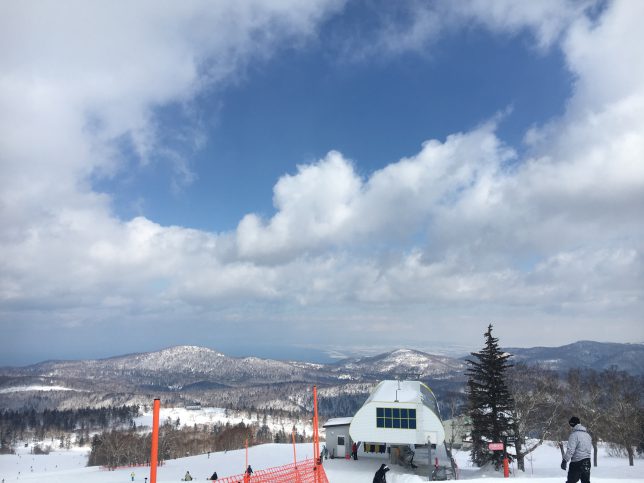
<point>415,26</point>
<point>460,233</point>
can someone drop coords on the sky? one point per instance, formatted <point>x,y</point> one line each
<point>294,178</point>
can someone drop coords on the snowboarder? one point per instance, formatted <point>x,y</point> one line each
<point>354,450</point>
<point>578,453</point>
<point>213,477</point>
<point>380,476</point>
<point>188,476</point>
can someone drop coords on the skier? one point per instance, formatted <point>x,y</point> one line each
<point>188,476</point>
<point>380,476</point>
<point>249,471</point>
<point>578,453</point>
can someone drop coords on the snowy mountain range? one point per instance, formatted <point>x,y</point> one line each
<point>585,354</point>
<point>198,373</point>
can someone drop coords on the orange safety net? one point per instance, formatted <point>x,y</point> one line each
<point>303,472</point>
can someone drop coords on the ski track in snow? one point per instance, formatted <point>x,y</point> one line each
<point>69,467</point>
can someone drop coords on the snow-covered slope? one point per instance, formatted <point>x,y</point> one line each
<point>586,354</point>
<point>175,367</point>
<point>401,363</point>
<point>69,467</point>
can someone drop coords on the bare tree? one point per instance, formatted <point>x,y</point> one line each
<point>625,412</point>
<point>586,398</point>
<point>537,407</point>
<point>458,423</point>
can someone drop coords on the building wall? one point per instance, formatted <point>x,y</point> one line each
<point>332,434</point>
<point>363,426</point>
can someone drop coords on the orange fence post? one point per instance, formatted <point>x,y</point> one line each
<point>316,436</point>
<point>246,475</point>
<point>154,453</point>
<point>294,455</point>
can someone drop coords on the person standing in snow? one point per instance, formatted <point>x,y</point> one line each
<point>132,475</point>
<point>578,453</point>
<point>354,450</point>
<point>380,476</point>
<point>188,476</point>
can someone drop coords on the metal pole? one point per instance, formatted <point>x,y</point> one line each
<point>429,458</point>
<point>154,453</point>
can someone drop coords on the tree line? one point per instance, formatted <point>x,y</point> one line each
<point>528,405</point>
<point>128,447</point>
<point>20,425</point>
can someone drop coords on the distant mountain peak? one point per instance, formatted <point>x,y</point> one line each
<point>188,349</point>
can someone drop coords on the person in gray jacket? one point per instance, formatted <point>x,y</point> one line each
<point>578,453</point>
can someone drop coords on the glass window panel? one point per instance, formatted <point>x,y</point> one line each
<point>380,422</point>
<point>403,413</point>
<point>404,423</point>
<point>412,424</point>
<point>388,423</point>
<point>396,412</point>
<point>380,412</point>
<point>387,412</point>
<point>412,414</point>
<point>396,423</point>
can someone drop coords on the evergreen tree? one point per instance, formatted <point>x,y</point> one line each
<point>490,401</point>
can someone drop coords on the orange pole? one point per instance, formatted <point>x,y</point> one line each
<point>294,455</point>
<point>506,468</point>
<point>246,475</point>
<point>154,453</point>
<point>316,436</point>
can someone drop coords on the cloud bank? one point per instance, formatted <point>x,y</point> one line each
<point>438,243</point>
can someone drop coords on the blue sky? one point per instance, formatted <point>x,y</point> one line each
<point>295,179</point>
<point>306,101</point>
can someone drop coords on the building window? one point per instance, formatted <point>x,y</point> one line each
<point>396,418</point>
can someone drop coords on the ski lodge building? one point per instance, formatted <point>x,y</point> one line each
<point>398,413</point>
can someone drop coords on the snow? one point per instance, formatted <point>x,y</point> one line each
<point>337,422</point>
<point>69,467</point>
<point>209,415</point>
<point>399,391</point>
<point>7,390</point>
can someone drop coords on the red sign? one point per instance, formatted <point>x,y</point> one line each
<point>495,446</point>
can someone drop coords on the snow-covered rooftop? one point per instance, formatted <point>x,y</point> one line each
<point>337,422</point>
<point>400,391</point>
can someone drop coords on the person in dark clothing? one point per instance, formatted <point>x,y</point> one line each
<point>578,453</point>
<point>380,476</point>
<point>354,450</point>
<point>249,470</point>
<point>214,476</point>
